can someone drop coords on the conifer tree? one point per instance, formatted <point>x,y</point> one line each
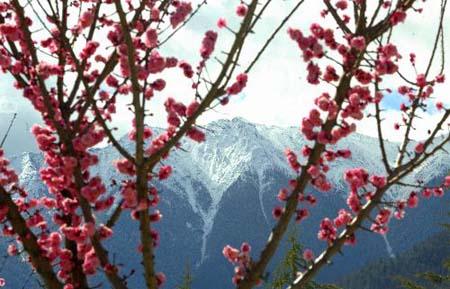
<point>288,269</point>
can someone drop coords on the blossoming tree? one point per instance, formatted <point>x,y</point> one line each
<point>72,60</point>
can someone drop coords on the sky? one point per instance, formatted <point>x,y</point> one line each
<point>277,92</point>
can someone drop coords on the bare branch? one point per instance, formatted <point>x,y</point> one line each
<point>11,122</point>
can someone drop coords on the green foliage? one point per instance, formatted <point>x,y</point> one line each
<point>408,284</point>
<point>292,263</point>
<point>426,256</point>
<point>431,279</point>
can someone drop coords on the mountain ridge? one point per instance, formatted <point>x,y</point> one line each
<point>222,191</point>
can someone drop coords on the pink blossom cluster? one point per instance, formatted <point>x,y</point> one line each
<point>208,44</point>
<point>356,178</point>
<point>327,231</point>
<point>398,17</point>
<point>187,69</point>
<point>10,31</point>
<point>175,110</point>
<point>151,38</point>
<point>344,218</point>
<point>240,258</point>
<point>7,176</point>
<point>89,49</point>
<point>239,85</point>
<point>283,196</point>
<point>182,11</point>
<point>387,55</point>
<point>380,224</point>
<point>51,242</point>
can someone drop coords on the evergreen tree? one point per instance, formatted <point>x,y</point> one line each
<point>432,280</point>
<point>288,269</point>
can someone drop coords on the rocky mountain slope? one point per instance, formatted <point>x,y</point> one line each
<point>223,191</point>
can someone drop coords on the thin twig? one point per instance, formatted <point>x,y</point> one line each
<point>11,122</point>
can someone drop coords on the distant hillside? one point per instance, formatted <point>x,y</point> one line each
<point>426,256</point>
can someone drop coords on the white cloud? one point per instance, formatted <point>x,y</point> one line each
<point>277,92</point>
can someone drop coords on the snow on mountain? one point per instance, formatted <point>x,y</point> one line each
<point>235,150</point>
<point>232,147</point>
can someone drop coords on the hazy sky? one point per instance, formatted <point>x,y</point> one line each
<point>277,93</point>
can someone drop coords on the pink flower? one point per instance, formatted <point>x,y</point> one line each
<point>413,200</point>
<point>327,231</point>
<point>221,23</point>
<point>421,80</point>
<point>440,78</point>
<point>356,178</point>
<point>311,200</point>
<point>342,4</point>
<point>245,248</point>
<point>104,232</point>
<point>363,77</point>
<point>447,181</point>
<point>308,255</point>
<point>126,167</point>
<point>155,14</point>
<point>187,69</point>
<point>164,172</point>
<point>306,151</point>
<point>156,63</point>
<point>354,202</point>
<point>183,9</point>
<point>192,108</point>
<point>378,181</point>
<point>86,19</point>
<point>208,44</point>
<point>292,160</point>
<point>397,17</point>
<point>283,195</point>
<point>301,215</point>
<point>196,135</point>
<point>239,85</point>
<point>343,218</point>
<point>277,212</point>
<point>346,154</point>
<point>156,216</point>
<point>90,263</point>
<point>89,49</point>
<point>241,10</point>
<point>313,73</point>
<point>151,38</point>
<point>314,171</point>
<point>438,192</point>
<point>330,74</point>
<point>426,193</point>
<point>420,147</point>
<point>2,282</point>
<point>12,250</point>
<point>321,183</point>
<point>359,43</point>
<point>381,220</point>
<point>160,279</point>
<point>230,253</point>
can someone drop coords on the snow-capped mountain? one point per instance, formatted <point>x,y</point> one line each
<point>223,191</point>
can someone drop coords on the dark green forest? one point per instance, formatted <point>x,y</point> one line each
<point>411,269</point>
